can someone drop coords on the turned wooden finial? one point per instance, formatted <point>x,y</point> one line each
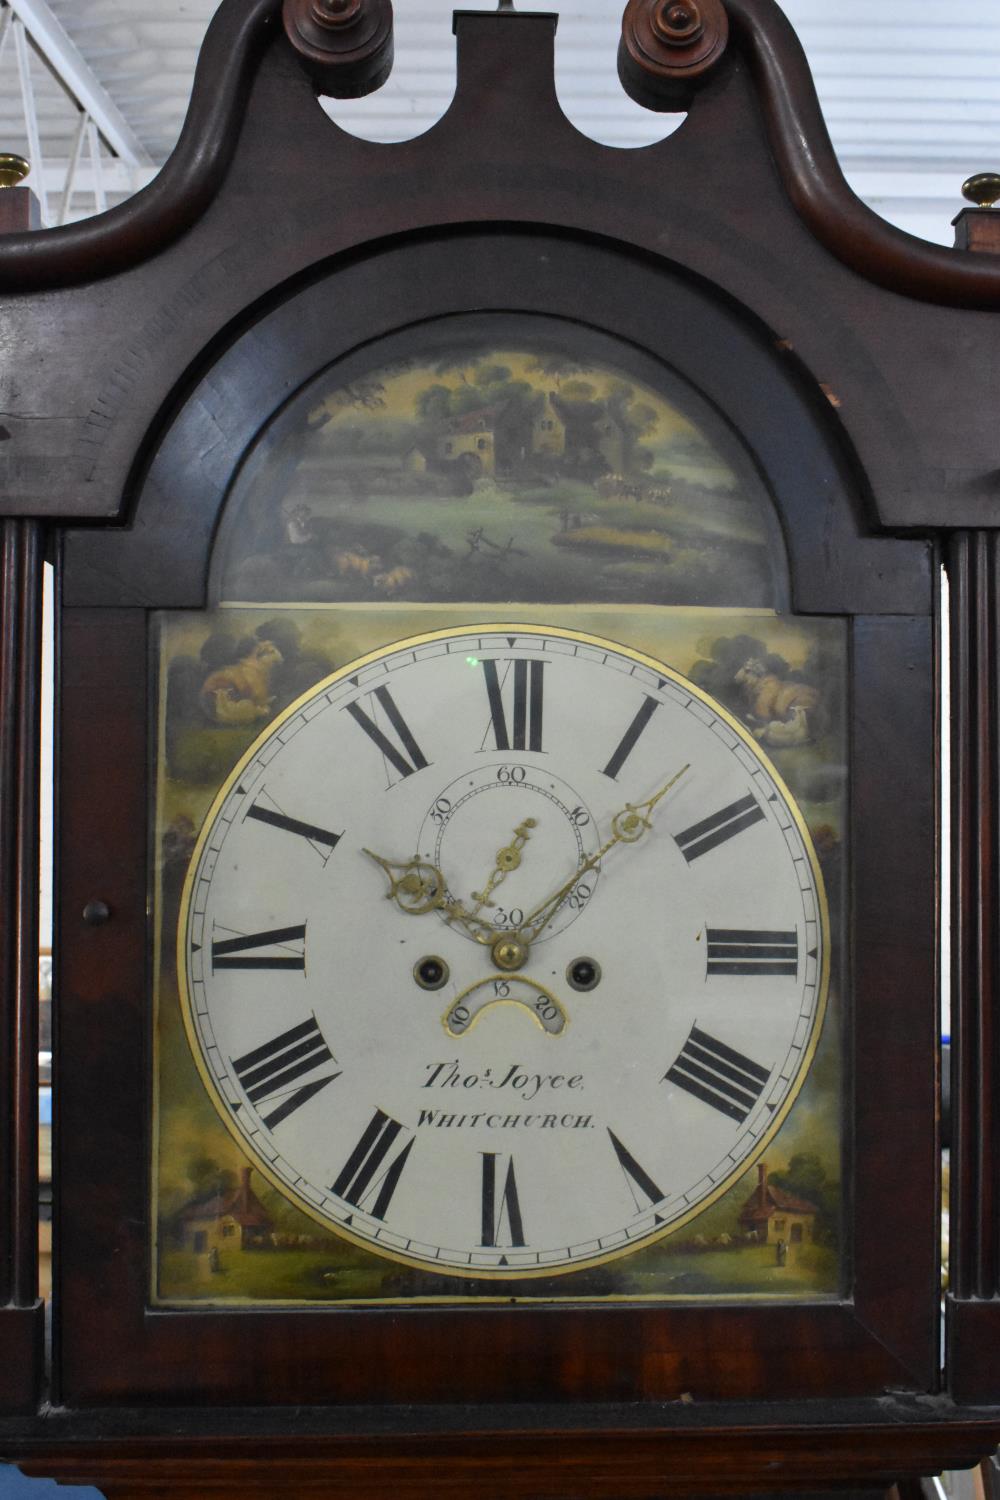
<point>346,45</point>
<point>668,48</point>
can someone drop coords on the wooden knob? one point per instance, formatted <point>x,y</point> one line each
<point>346,45</point>
<point>13,169</point>
<point>983,189</point>
<point>677,23</point>
<point>329,14</point>
<point>669,47</point>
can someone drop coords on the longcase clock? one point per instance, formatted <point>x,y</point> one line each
<point>499,656</point>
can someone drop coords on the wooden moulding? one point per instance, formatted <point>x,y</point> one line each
<point>818,188</point>
<point>165,557</point>
<point>20,635</point>
<point>517,1460</point>
<point>135,231</point>
<point>974,1312</point>
<point>500,1359</point>
<point>179,195</point>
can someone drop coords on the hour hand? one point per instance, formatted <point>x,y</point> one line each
<point>416,886</point>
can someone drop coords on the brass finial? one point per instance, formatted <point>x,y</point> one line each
<point>13,169</point>
<point>983,189</point>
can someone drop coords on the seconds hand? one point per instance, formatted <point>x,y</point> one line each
<point>508,858</point>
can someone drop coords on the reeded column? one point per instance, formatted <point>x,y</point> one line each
<point>973,563</point>
<point>21,1313</point>
<point>20,674</point>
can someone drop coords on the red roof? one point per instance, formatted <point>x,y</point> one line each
<point>767,1199</point>
<point>475,421</point>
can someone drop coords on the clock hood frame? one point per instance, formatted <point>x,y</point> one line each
<point>138,338</point>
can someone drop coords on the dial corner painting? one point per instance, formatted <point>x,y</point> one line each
<point>499,945</point>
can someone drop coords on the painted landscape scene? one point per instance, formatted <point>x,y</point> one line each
<point>224,1233</point>
<point>497,474</point>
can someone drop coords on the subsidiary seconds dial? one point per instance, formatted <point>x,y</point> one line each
<point>503,951</point>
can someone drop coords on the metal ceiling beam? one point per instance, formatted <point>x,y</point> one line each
<point>55,43</point>
<point>116,176</point>
<point>23,55</point>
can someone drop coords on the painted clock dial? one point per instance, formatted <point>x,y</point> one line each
<point>504,951</point>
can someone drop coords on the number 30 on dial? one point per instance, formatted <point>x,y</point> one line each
<point>504,951</point>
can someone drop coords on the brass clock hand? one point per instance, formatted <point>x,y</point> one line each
<point>418,887</point>
<point>508,858</point>
<point>627,827</point>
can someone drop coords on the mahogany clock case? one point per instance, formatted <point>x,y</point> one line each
<point>856,367</point>
<point>883,1332</point>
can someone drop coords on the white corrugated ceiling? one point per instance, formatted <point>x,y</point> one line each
<point>911,88</point>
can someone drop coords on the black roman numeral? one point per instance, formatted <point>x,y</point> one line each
<point>525,730</point>
<point>628,740</point>
<point>268,1072</point>
<point>310,831</point>
<point>361,1177</point>
<point>725,824</point>
<point>236,952</point>
<point>737,950</point>
<point>497,1204</point>
<point>393,754</point>
<point>718,1075</point>
<point>635,1176</point>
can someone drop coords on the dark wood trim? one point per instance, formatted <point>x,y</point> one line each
<point>99,974</point>
<point>974,574</point>
<point>101,367</point>
<point>973,1348</point>
<point>882,1337</point>
<point>20,728</point>
<point>22,1357</point>
<point>818,189</point>
<point>262,200</point>
<point>600,1454</point>
<point>410,294</point>
<point>975,1178</point>
<point>895,1006</point>
<point>134,232</point>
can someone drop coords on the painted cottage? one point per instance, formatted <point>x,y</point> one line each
<point>230,1221</point>
<point>771,1214</point>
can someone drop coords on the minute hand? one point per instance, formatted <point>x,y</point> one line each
<point>627,827</point>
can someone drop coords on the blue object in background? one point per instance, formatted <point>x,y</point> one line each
<point>14,1486</point>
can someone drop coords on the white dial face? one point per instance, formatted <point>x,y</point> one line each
<point>504,951</point>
